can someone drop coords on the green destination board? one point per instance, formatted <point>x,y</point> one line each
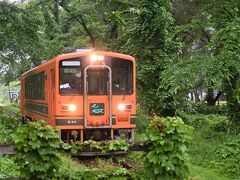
<point>96,109</point>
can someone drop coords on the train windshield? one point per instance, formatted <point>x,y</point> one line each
<point>97,81</point>
<point>70,77</point>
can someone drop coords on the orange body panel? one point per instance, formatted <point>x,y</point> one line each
<point>51,109</point>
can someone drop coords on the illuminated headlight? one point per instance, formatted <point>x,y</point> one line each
<point>100,58</point>
<point>93,58</point>
<point>72,107</point>
<point>121,107</point>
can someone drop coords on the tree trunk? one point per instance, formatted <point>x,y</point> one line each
<point>196,95</point>
<point>55,12</point>
<point>191,96</point>
<point>211,100</point>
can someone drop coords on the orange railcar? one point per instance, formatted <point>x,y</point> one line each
<point>87,95</point>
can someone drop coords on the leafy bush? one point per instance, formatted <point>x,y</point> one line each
<point>15,106</point>
<point>37,146</point>
<point>205,109</point>
<point>101,146</point>
<point>167,140</point>
<point>142,121</point>
<point>74,170</point>
<point>213,122</point>
<point>95,174</point>
<point>199,121</point>
<point>8,169</point>
<point>8,126</point>
<point>228,149</point>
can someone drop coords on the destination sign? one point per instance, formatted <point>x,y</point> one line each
<point>71,63</point>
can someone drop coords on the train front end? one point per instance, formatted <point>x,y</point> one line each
<point>95,96</point>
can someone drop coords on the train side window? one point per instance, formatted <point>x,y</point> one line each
<point>35,86</point>
<point>70,77</point>
<point>122,77</point>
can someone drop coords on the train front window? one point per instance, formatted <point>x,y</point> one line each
<point>70,77</point>
<point>122,76</point>
<point>97,81</point>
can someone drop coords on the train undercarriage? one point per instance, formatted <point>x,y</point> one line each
<point>69,135</point>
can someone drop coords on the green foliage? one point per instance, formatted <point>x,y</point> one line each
<point>210,146</point>
<point>142,121</point>
<point>203,108</point>
<point>227,43</point>
<point>101,146</point>
<point>212,122</point>
<point>8,126</point>
<point>228,149</point>
<point>148,37</point>
<point>37,146</point>
<point>8,169</point>
<point>75,170</point>
<point>211,53</point>
<point>202,173</point>
<point>18,35</point>
<point>167,140</point>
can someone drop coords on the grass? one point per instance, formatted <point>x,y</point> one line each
<point>206,150</point>
<point>200,173</point>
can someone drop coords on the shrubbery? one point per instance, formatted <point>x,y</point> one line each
<point>203,108</point>
<point>8,126</point>
<point>8,169</point>
<point>213,122</point>
<point>143,121</point>
<point>167,140</point>
<point>38,152</point>
<point>37,146</point>
<point>95,174</point>
<point>101,146</point>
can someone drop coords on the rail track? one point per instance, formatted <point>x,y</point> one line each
<point>137,146</point>
<point>10,149</point>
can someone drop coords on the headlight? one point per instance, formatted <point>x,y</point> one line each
<point>100,58</point>
<point>72,107</point>
<point>121,107</point>
<point>95,58</point>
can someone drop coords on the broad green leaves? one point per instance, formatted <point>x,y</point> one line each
<point>37,146</point>
<point>101,146</point>
<point>229,149</point>
<point>167,140</point>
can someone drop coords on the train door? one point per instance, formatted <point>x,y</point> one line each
<point>52,97</point>
<point>97,96</point>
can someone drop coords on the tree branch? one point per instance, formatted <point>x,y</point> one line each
<point>205,33</point>
<point>189,34</point>
<point>80,20</point>
<point>218,96</point>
